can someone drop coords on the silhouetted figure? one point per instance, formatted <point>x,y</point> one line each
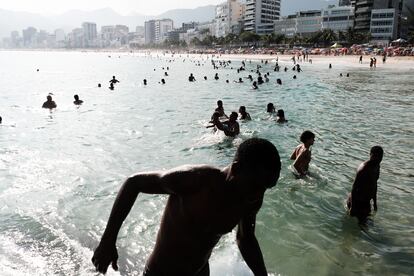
<point>243,114</point>
<point>77,101</point>
<point>270,108</point>
<point>191,78</point>
<point>281,116</point>
<point>279,81</point>
<point>49,103</point>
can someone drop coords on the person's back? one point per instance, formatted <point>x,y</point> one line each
<point>302,154</point>
<point>50,104</point>
<point>364,188</point>
<point>189,231</point>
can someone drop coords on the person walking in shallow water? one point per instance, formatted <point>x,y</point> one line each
<point>302,154</point>
<point>365,186</point>
<point>189,230</point>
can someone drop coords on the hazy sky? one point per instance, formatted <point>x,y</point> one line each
<point>147,7</point>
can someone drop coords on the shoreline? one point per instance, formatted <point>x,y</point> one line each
<point>397,62</point>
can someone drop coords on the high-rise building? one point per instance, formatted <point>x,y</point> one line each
<point>261,15</point>
<point>338,18</point>
<point>344,3</point>
<point>363,9</point>
<point>156,31</point>
<point>222,19</point>
<point>30,37</point>
<point>89,34</point>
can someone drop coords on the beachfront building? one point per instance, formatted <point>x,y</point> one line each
<point>344,3</point>
<point>384,25</point>
<point>309,22</point>
<point>406,13</point>
<point>229,17</point>
<point>75,38</point>
<point>90,34</point>
<point>156,31</point>
<point>363,11</point>
<point>260,16</point>
<point>200,31</point>
<point>30,37</point>
<point>60,38</point>
<point>338,18</point>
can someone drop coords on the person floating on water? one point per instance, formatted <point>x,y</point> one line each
<point>365,186</point>
<point>270,108</point>
<point>280,116</point>
<point>243,114</point>
<point>49,103</point>
<point>302,154</point>
<point>191,78</point>
<point>189,231</point>
<point>230,128</point>
<point>77,101</point>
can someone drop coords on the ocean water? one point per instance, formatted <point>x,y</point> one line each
<point>60,171</point>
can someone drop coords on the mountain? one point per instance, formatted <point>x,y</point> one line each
<point>14,20</point>
<point>179,16</point>
<point>293,6</point>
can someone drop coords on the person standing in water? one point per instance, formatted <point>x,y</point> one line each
<point>114,80</point>
<point>302,154</point>
<point>220,109</point>
<point>365,186</point>
<point>189,230</point>
<point>230,128</point>
<point>77,101</point>
<point>50,103</point>
<point>243,114</point>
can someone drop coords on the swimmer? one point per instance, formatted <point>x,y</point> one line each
<point>166,74</point>
<point>191,78</point>
<point>205,77</point>
<point>281,116</point>
<point>231,127</point>
<point>239,81</point>
<point>145,81</point>
<point>270,108</point>
<point>260,80</point>
<point>77,101</point>
<point>162,81</point>
<point>1,119</point>
<point>254,86</point>
<point>330,66</point>
<point>243,114</point>
<point>340,75</point>
<point>111,86</point>
<point>227,81</point>
<point>279,81</point>
<point>189,231</point>
<point>294,77</point>
<point>302,154</point>
<point>347,75</point>
<point>365,186</point>
<point>99,85</point>
<point>216,77</point>
<point>220,109</point>
<point>266,78</point>
<point>250,77</point>
<point>114,80</point>
<point>49,103</point>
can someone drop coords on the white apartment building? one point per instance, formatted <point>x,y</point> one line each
<point>156,31</point>
<point>89,34</point>
<point>309,22</point>
<point>338,18</point>
<point>222,20</point>
<point>384,25</point>
<point>261,15</point>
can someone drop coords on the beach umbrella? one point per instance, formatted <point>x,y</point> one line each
<point>400,40</point>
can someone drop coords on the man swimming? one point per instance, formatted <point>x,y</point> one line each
<point>204,203</point>
<point>302,154</point>
<point>49,103</point>
<point>77,101</point>
<point>114,80</point>
<point>244,115</point>
<point>365,186</point>
<point>191,78</point>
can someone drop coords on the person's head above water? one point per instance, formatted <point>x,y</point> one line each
<point>242,109</point>
<point>270,107</point>
<point>1,119</point>
<point>376,154</point>
<point>307,137</point>
<point>76,97</point>
<point>233,116</point>
<point>49,98</point>
<point>281,113</point>
<point>219,103</point>
<point>257,157</point>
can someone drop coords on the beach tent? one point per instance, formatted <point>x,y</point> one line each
<point>336,45</point>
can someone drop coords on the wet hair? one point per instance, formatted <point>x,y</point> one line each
<point>270,107</point>
<point>256,153</point>
<point>281,113</point>
<point>377,151</point>
<point>242,108</point>
<point>306,135</point>
<point>76,97</point>
<point>219,102</point>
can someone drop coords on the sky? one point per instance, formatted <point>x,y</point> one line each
<point>124,7</point>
